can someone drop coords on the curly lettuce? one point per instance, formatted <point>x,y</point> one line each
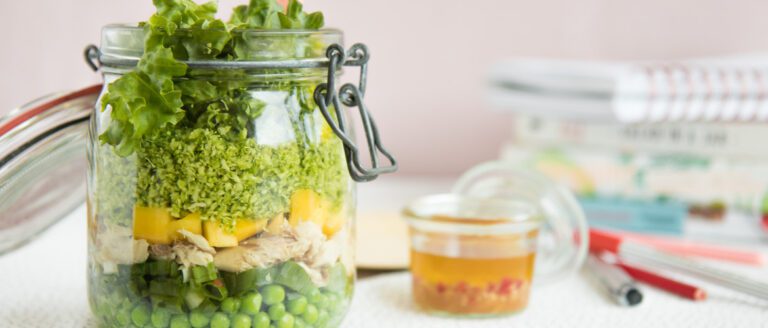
<point>183,139</point>
<point>153,97</point>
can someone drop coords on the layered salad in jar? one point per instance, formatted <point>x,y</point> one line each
<point>218,197</point>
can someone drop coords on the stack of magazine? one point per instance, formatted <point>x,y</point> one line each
<point>645,145</point>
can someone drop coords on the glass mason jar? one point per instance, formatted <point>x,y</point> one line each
<point>241,214</point>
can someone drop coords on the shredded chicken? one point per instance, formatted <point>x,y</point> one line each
<point>117,246</point>
<point>264,251</point>
<point>305,244</point>
<point>189,255</point>
<point>162,252</point>
<point>194,251</point>
<point>313,234</point>
<point>198,241</point>
<point>329,251</point>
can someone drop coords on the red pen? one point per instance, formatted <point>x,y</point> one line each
<point>636,252</point>
<point>667,284</point>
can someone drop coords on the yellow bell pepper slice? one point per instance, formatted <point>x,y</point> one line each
<point>191,223</point>
<point>245,229</point>
<point>307,205</point>
<point>151,224</point>
<point>333,224</point>
<point>275,225</point>
<point>217,235</point>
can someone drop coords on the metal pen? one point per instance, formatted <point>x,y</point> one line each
<point>621,287</point>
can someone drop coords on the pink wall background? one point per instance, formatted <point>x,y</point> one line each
<point>430,58</point>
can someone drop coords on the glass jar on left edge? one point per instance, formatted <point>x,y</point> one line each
<point>240,214</point>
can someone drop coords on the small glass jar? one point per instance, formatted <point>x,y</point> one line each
<point>241,212</point>
<point>472,256</point>
<point>478,251</point>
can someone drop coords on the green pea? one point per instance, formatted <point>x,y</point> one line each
<point>314,295</point>
<point>140,315</point>
<point>334,301</point>
<point>127,305</point>
<point>297,305</point>
<point>219,320</point>
<point>231,305</point>
<point>299,323</point>
<point>198,319</point>
<point>273,294</point>
<point>123,317</point>
<point>251,303</point>
<point>276,311</point>
<point>310,315</point>
<point>261,320</point>
<point>161,318</point>
<point>322,318</point>
<point>241,321</point>
<point>179,321</point>
<point>321,301</point>
<point>103,309</point>
<point>287,321</point>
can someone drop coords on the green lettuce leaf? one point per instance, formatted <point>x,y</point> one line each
<point>143,100</point>
<point>150,98</point>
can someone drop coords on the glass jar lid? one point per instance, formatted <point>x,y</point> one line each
<point>42,163</point>
<point>563,235</point>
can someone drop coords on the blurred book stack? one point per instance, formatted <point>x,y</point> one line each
<point>645,145</point>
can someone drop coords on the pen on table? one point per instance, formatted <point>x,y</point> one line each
<point>667,284</point>
<point>620,286</point>
<point>636,252</point>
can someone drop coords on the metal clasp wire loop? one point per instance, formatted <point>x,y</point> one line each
<point>352,96</point>
<point>92,57</point>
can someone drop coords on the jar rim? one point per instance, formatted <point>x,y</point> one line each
<point>122,45</point>
<point>263,32</point>
<point>452,213</point>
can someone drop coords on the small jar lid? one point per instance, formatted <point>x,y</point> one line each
<point>42,163</point>
<point>563,235</point>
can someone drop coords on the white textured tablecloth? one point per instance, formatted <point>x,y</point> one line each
<point>43,285</point>
<point>385,302</point>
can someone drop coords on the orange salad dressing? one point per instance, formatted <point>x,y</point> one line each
<point>486,284</point>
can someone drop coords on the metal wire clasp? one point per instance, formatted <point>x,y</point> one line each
<point>92,56</point>
<point>352,96</point>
